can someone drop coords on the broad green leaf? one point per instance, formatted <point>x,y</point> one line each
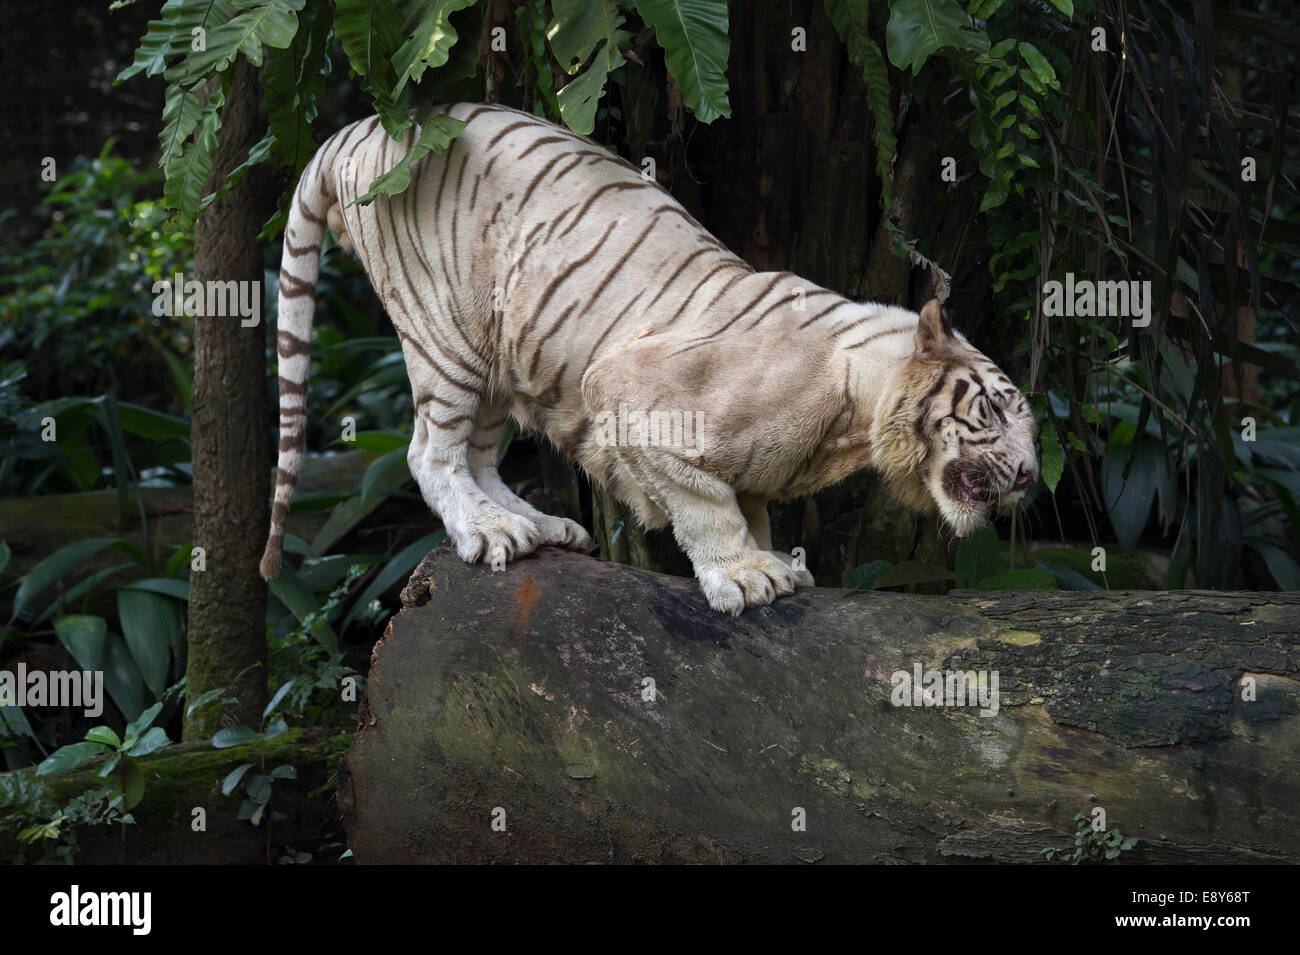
<point>79,590</point>
<point>434,136</point>
<point>1129,501</point>
<point>4,556</point>
<point>429,44</point>
<point>346,516</point>
<point>263,23</point>
<point>142,722</point>
<point>172,35</point>
<point>94,648</point>
<point>578,28</point>
<point>181,115</point>
<point>150,624</point>
<point>276,700</point>
<point>204,699</point>
<point>371,34</point>
<point>187,174</point>
<point>258,788</point>
<point>105,736</point>
<point>388,471</point>
<point>233,777</point>
<point>295,595</point>
<point>69,757</point>
<point>150,742</point>
<point>132,783</point>
<point>1281,565</point>
<point>284,772</point>
<point>693,34</point>
<point>152,425</point>
<point>377,442</point>
<point>54,568</point>
<point>919,28</point>
<point>1038,63</point>
<point>977,557</point>
<point>864,577</point>
<point>233,736</point>
<point>293,83</point>
<point>180,589</point>
<point>1053,461</point>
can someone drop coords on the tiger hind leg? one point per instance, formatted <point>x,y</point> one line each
<point>489,425</point>
<point>480,528</point>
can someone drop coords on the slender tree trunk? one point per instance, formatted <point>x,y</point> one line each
<point>232,461</point>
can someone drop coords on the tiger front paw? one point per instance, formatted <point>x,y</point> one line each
<point>563,532</point>
<point>495,537</point>
<point>752,578</point>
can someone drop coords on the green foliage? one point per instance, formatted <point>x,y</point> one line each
<point>979,565</point>
<point>578,28</point>
<point>851,21</point>
<point>258,786</point>
<point>920,28</point>
<point>76,303</point>
<point>407,54</point>
<point>34,828</point>
<point>693,34</point>
<point>1091,846</point>
<point>139,739</point>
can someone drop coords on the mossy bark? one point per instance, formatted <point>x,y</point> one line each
<point>524,693</point>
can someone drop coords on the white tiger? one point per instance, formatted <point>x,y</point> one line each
<point>529,272</point>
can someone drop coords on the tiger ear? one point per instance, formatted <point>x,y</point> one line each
<point>933,331</point>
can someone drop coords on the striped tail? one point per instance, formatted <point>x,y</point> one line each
<point>299,269</point>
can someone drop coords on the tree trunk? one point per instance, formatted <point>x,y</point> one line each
<point>521,698</point>
<point>230,439</point>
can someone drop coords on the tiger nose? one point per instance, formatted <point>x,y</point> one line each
<point>1027,474</point>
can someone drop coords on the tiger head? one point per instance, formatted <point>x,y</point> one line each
<point>959,440</point>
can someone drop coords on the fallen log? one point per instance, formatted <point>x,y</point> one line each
<point>569,710</point>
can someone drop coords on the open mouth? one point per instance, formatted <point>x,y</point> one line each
<point>969,487</point>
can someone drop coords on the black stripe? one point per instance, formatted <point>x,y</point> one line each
<point>537,181</point>
<point>558,280</point>
<point>610,327</point>
<point>596,195</point>
<point>871,338</point>
<point>609,276</point>
<point>542,142</point>
<point>506,131</point>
